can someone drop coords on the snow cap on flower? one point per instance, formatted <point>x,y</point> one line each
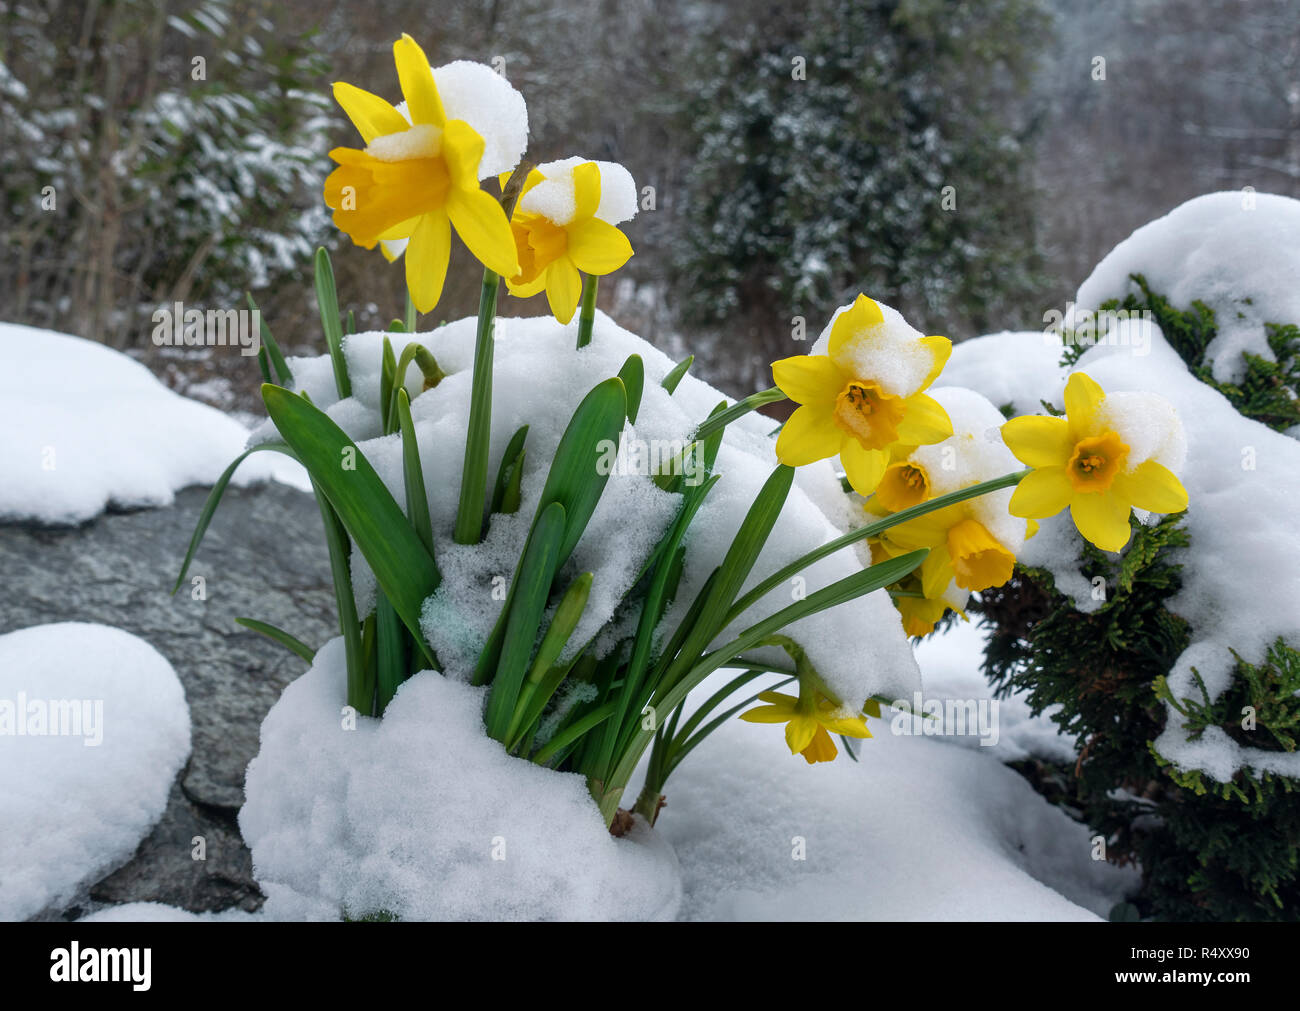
<point>877,343</point>
<point>550,192</point>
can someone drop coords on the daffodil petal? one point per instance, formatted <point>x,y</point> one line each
<point>416,76</point>
<point>586,190</point>
<point>426,260</point>
<point>482,226</point>
<point>936,572</point>
<point>563,289</point>
<point>462,149</point>
<point>925,421</point>
<point>941,349</point>
<point>528,288</point>
<point>1041,493</point>
<point>863,314</point>
<point>849,726</point>
<point>809,379</point>
<point>778,699</point>
<point>820,749</point>
<point>766,714</point>
<point>1038,440</point>
<point>863,467</point>
<point>371,115</point>
<point>799,733</point>
<point>810,435</point>
<point>1152,486</point>
<point>597,247</point>
<point>1082,398</point>
<point>1102,518</point>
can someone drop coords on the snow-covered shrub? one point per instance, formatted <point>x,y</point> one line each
<point>1175,664</point>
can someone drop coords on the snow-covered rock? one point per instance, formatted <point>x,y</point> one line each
<point>86,428</point>
<point>93,729</point>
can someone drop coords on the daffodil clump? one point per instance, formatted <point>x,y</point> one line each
<point>928,465</point>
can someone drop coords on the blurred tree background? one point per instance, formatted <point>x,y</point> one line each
<point>967,162</point>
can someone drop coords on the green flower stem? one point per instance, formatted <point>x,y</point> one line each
<point>870,530</point>
<point>587,314</point>
<point>478,434</point>
<point>647,802</point>
<point>739,409</point>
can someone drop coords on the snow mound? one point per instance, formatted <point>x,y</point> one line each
<point>916,830</point>
<point>421,815</point>
<point>1241,575</point>
<point>1236,251</point>
<point>86,428</point>
<point>93,730</point>
<point>554,196</point>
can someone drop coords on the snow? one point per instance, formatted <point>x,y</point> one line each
<point>362,820</point>
<point>75,803</point>
<point>1008,367</point>
<point>889,353</point>
<point>917,830</point>
<point>539,378</point>
<point>1236,251</point>
<point>554,199</point>
<point>484,99</point>
<point>1241,574</point>
<point>950,669</point>
<point>86,428</point>
<point>421,141</point>
<point>422,815</point>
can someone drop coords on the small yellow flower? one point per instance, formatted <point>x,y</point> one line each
<point>864,396</point>
<point>415,180</point>
<point>554,251</point>
<point>962,550</point>
<point>809,721</point>
<point>1083,462</point>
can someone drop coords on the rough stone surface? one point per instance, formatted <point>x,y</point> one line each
<point>263,557</point>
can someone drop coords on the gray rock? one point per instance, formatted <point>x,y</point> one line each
<point>263,557</point>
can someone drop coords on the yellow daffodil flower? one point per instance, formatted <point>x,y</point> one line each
<point>1081,461</point>
<point>809,721</point>
<point>962,550</point>
<point>864,395</point>
<point>416,180</point>
<point>554,249</point>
